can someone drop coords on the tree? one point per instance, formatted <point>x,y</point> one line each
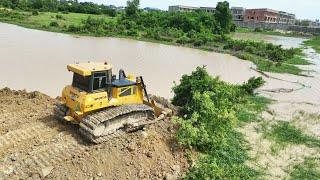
<point>132,8</point>
<point>223,16</point>
<point>6,3</point>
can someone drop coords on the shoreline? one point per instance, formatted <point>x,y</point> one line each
<point>262,64</point>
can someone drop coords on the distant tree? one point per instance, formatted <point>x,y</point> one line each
<point>6,3</point>
<point>37,4</point>
<point>223,16</point>
<point>132,8</point>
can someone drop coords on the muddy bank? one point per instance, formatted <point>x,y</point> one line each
<point>297,103</point>
<point>33,145</point>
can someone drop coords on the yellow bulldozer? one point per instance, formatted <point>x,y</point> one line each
<point>105,106</point>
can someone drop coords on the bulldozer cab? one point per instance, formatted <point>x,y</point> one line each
<point>94,78</point>
<point>91,77</point>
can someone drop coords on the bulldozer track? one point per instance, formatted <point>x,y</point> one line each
<point>91,122</point>
<point>21,135</point>
<point>60,111</point>
<point>46,156</point>
<point>111,136</point>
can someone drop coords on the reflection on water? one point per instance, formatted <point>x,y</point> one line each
<point>36,60</point>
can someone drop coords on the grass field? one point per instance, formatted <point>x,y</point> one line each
<point>43,19</point>
<point>314,43</point>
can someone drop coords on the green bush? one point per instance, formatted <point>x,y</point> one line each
<point>58,16</point>
<point>233,28</point>
<point>54,24</point>
<point>133,32</point>
<point>210,111</point>
<point>267,50</point>
<point>35,13</point>
<point>73,28</point>
<point>183,40</point>
<point>252,84</point>
<point>206,126</point>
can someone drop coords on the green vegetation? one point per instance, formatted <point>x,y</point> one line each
<point>197,29</point>
<point>211,109</point>
<point>223,16</point>
<point>275,53</point>
<point>309,169</point>
<point>251,109</point>
<point>272,32</point>
<point>298,60</point>
<point>283,133</point>
<point>269,66</point>
<point>58,6</point>
<point>43,19</point>
<point>314,43</point>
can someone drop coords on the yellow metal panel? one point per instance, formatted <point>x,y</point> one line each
<point>78,70</point>
<point>86,69</point>
<point>133,98</point>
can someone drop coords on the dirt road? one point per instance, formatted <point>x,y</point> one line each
<point>34,145</point>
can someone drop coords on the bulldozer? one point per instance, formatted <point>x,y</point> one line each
<point>105,106</point>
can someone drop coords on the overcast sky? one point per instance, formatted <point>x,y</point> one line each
<point>304,9</point>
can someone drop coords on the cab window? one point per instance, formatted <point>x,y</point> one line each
<point>81,82</point>
<point>125,92</point>
<point>99,81</point>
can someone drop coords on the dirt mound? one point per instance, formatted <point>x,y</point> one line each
<point>35,145</point>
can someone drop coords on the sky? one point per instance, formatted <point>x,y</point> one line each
<point>304,9</point>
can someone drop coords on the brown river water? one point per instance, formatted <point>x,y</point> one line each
<point>36,60</point>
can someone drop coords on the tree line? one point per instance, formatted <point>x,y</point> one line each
<point>58,6</point>
<point>218,23</point>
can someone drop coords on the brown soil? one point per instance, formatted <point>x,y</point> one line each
<point>36,146</point>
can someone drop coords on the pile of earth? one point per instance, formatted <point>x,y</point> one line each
<point>35,145</point>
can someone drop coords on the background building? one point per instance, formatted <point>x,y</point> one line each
<point>261,15</point>
<point>238,13</point>
<point>208,9</point>
<point>286,18</point>
<point>180,8</point>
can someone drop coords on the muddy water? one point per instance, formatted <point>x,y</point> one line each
<point>36,60</point>
<point>286,42</point>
